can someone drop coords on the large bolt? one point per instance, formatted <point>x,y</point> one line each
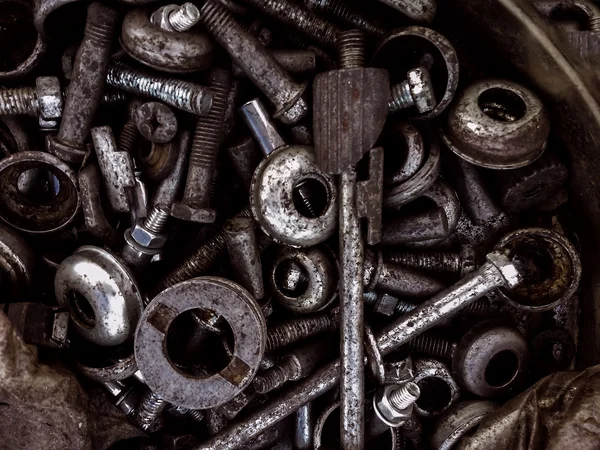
<point>258,63</point>
<point>461,262</point>
<point>203,157</point>
<point>85,92</point>
<point>495,273</point>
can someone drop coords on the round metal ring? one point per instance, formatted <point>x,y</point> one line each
<point>17,262</point>
<point>120,370</point>
<point>458,421</point>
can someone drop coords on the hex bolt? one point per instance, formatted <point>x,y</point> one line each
<point>244,252</point>
<point>44,100</point>
<point>416,90</point>
<point>348,15</point>
<point>85,92</point>
<point>393,404</point>
<point>148,413</point>
<point>295,330</point>
<point>293,366</point>
<point>462,262</point>
<point>176,17</point>
<point>389,305</point>
<point>300,18</point>
<point>190,97</point>
<point>203,157</point>
<point>260,66</point>
<point>404,395</point>
<point>495,273</point>
<point>146,238</point>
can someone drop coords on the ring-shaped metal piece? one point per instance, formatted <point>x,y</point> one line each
<point>223,298</point>
<point>272,201</point>
<point>120,370</point>
<point>428,374</point>
<point>17,262</point>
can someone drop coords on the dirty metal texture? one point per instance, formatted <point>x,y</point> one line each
<point>87,88</point>
<point>39,324</point>
<point>167,51</point>
<point>257,118</point>
<point>497,124</point>
<point>16,135</point>
<point>349,15</point>
<point>260,67</point>
<point>20,204</point>
<point>375,361</point>
<point>96,222</point>
<point>431,224</point>
<point>295,330</point>
<point>459,421</point>
<point>301,63</point>
<point>542,291</point>
<point>45,12</point>
<point>349,110</point>
<point>404,48</point>
<point>406,160</point>
<point>398,280</point>
<point>120,370</point>
<point>272,198</point>
<point>101,294</point>
<point>521,189</point>
<point>244,158</point>
<point>476,363</point>
<point>421,10</point>
<point>244,253</point>
<point>559,411</point>
<point>223,298</point>
<point>496,272</point>
<point>303,280</point>
<point>166,163</point>
<point>116,168</point>
<point>552,351</point>
<point>156,122</point>
<point>369,197</point>
<point>304,423</point>
<point>407,191</point>
<point>17,263</point>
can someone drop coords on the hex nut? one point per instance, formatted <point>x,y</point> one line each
<point>390,415</point>
<point>147,238</point>
<point>50,97</point>
<point>385,304</point>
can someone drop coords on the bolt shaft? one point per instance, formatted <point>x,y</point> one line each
<point>190,97</point>
<point>184,17</point>
<point>404,396</point>
<point>430,261</point>
<point>129,137</point>
<point>276,376</point>
<point>19,101</point>
<point>295,330</point>
<point>347,14</point>
<point>594,23</point>
<point>435,346</point>
<point>401,97</point>
<point>157,219</point>
<point>351,45</point>
<point>149,410</point>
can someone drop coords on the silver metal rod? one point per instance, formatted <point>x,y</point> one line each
<point>352,351</point>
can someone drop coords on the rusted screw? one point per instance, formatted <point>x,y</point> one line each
<point>462,262</point>
<point>176,17</point>
<point>203,157</point>
<point>260,66</point>
<point>295,330</point>
<point>416,90</point>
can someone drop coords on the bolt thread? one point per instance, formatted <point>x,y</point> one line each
<point>112,98</point>
<point>370,297</point>
<point>149,410</point>
<point>431,261</point>
<point>100,34</point>
<point>217,19</point>
<point>404,396</point>
<point>300,18</point>
<point>404,307</point>
<point>287,333</point>
<point>346,14</point>
<point>401,97</point>
<point>184,17</point>
<point>305,195</point>
<point>435,346</point>
<point>209,128</point>
<point>594,23</point>
<point>157,219</point>
<point>184,95</point>
<point>351,45</point>
<point>19,101</point>
<point>200,261</point>
<point>195,414</point>
<point>128,137</point>
<point>275,377</point>
<point>481,306</point>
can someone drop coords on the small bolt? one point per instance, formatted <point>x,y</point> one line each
<point>295,330</point>
<point>177,17</point>
<point>157,219</point>
<point>404,395</point>
<point>148,413</point>
<point>462,262</point>
<point>256,61</point>
<point>416,90</point>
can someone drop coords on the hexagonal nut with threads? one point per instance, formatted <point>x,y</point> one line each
<point>146,237</point>
<point>394,404</point>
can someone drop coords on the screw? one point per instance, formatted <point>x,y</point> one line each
<point>156,220</point>
<point>176,17</point>
<point>404,395</point>
<point>149,411</point>
<point>190,97</point>
<point>348,15</point>
<point>432,345</point>
<point>156,122</point>
<point>295,330</point>
<point>203,157</point>
<point>260,66</point>
<point>416,90</point>
<point>194,414</point>
<point>85,92</point>
<point>462,262</point>
<point>28,100</point>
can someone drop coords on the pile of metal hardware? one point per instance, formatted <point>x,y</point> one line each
<point>281,223</point>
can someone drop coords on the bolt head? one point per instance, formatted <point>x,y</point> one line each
<point>50,98</point>
<point>147,238</point>
<point>385,304</point>
<point>386,412</point>
<point>421,89</point>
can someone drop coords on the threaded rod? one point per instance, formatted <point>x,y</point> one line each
<point>351,45</point>
<point>405,395</point>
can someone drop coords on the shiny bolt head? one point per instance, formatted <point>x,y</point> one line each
<point>387,412</point>
<point>506,268</point>
<point>50,99</point>
<point>147,238</point>
<point>421,89</point>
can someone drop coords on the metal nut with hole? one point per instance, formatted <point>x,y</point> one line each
<point>439,390</point>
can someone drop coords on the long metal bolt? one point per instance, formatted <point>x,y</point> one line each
<point>178,17</point>
<point>85,92</point>
<point>185,95</point>
<point>258,63</point>
<point>295,330</point>
<point>495,273</point>
<point>203,157</point>
<point>348,15</point>
<point>399,307</point>
<point>416,90</point>
<point>149,411</point>
<point>26,100</point>
<point>461,262</point>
